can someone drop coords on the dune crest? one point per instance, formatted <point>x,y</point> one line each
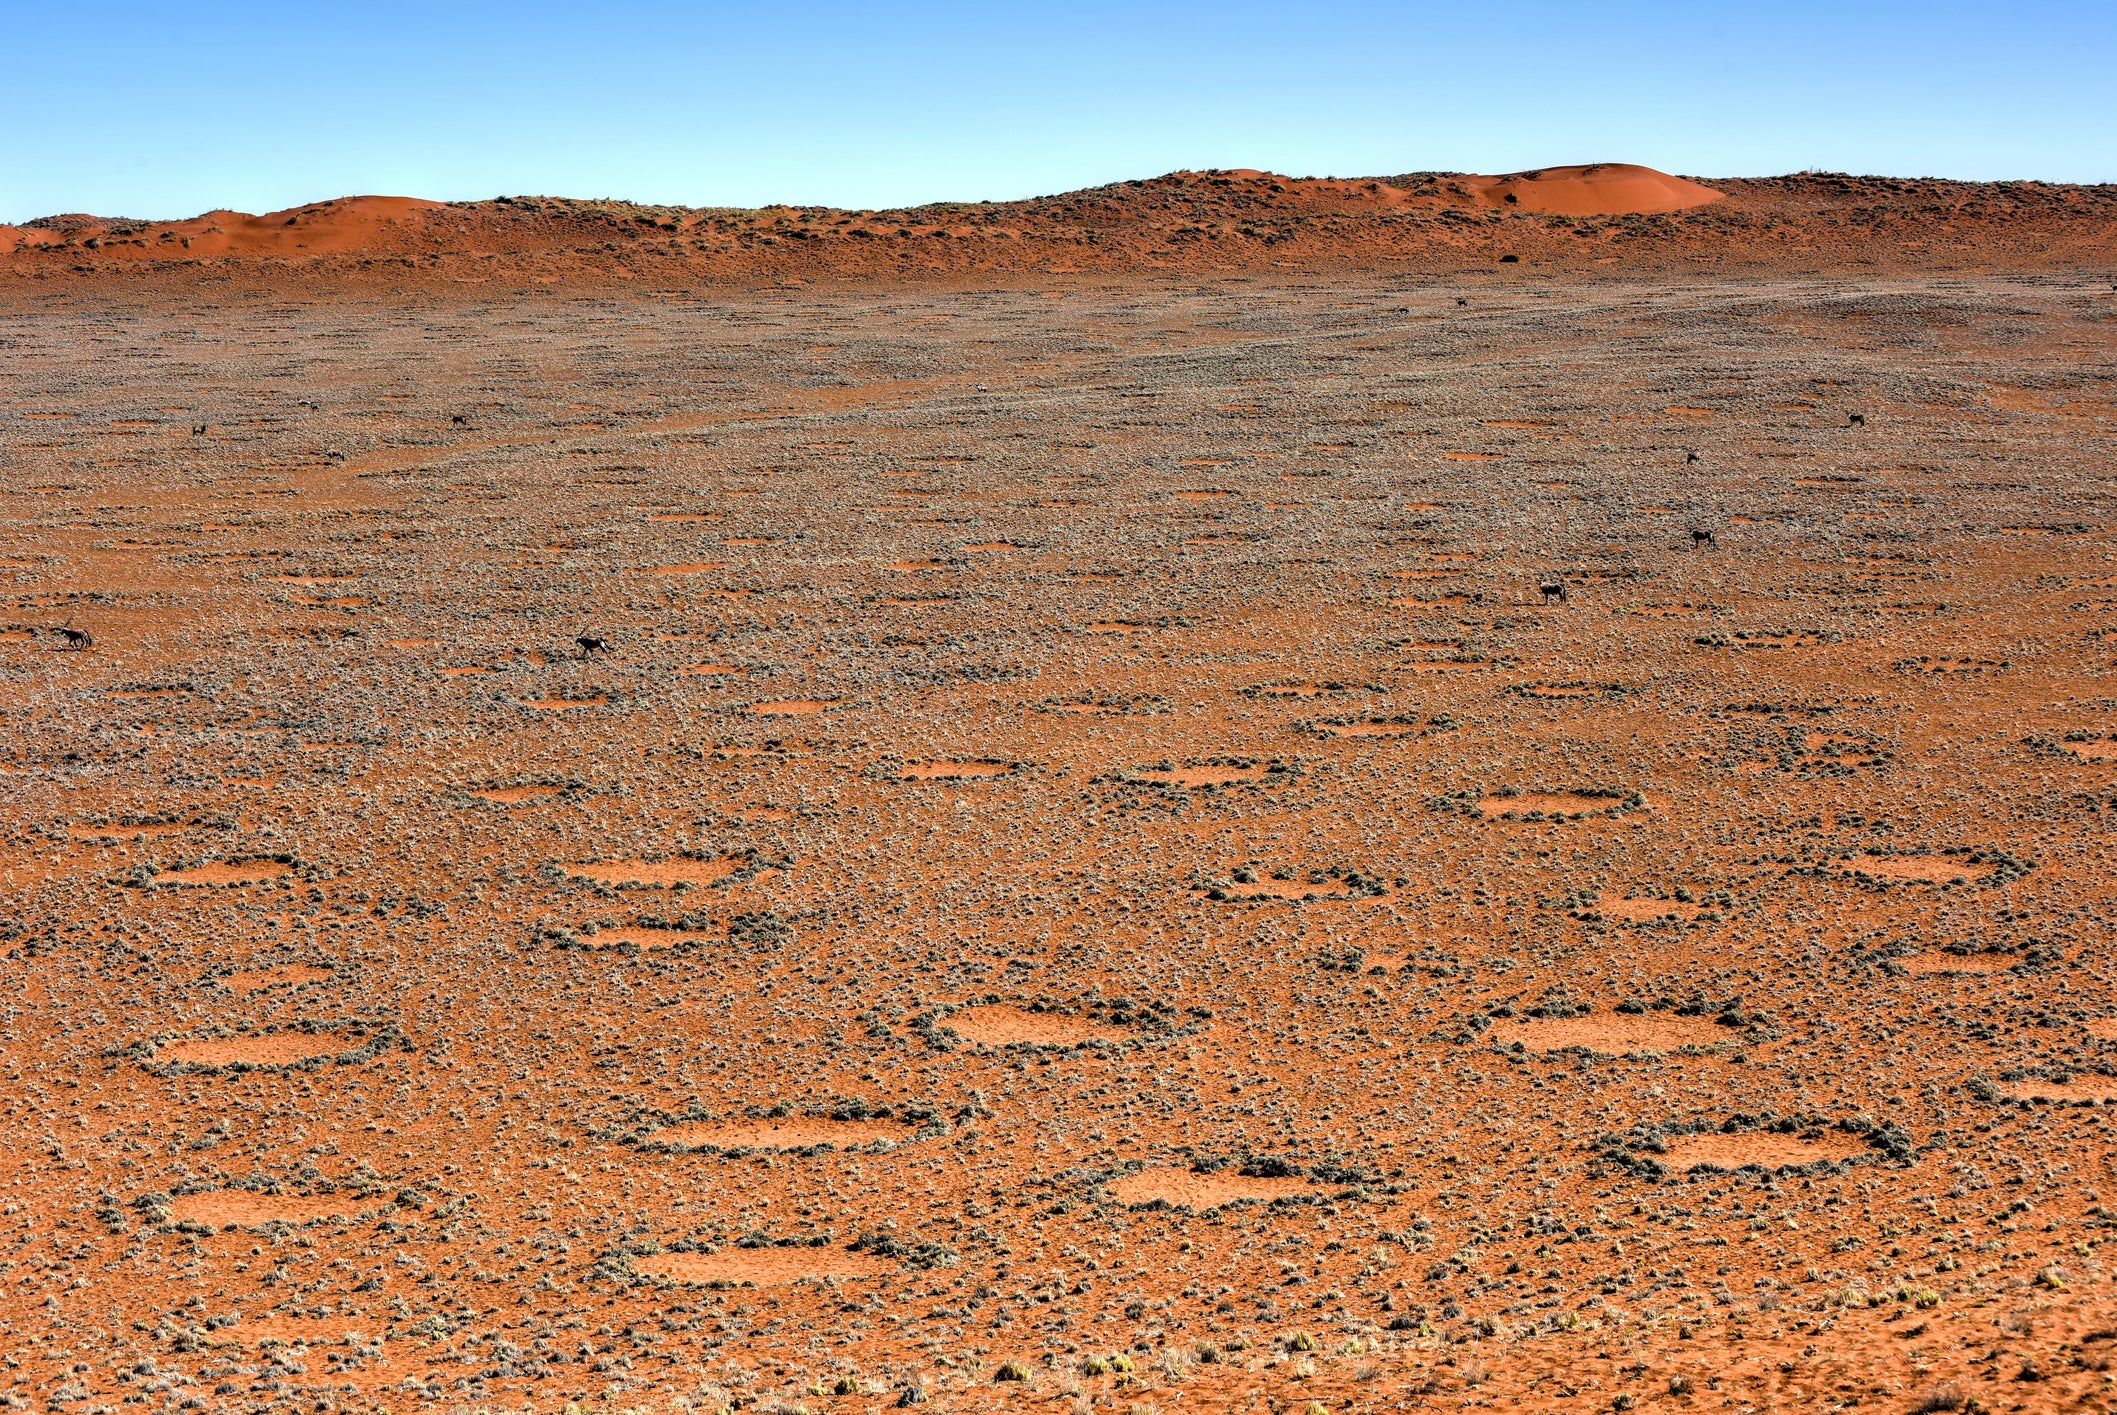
<point>1597,189</point>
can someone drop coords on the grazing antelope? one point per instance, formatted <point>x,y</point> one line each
<point>592,643</point>
<point>1689,457</point>
<point>1701,539</point>
<point>1856,420</point>
<point>460,421</point>
<point>1553,590</point>
<point>199,429</point>
<point>1462,299</point>
<point>75,638</point>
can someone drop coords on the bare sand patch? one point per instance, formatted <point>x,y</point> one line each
<point>1550,803</point>
<point>2099,1089</point>
<point>690,567</point>
<point>2104,1028</point>
<point>516,795</point>
<point>1001,1024</point>
<point>713,670</point>
<point>648,939</point>
<point>1191,1190</point>
<point>1198,775</point>
<point>793,1132</point>
<point>224,872</point>
<point>277,1049</point>
<point>137,832</point>
<point>678,869</point>
<point>794,707</point>
<point>1613,1033</point>
<point>244,1208</point>
<point>558,704</point>
<point>1761,1148</point>
<point>760,1267</point>
<point>1923,869</point>
<point>952,771</point>
<point>283,975</point>
<point>1929,964</point>
<point>2102,751</point>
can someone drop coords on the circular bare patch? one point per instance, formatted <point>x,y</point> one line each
<point>680,869</point>
<point>224,872</point>
<point>760,1267</point>
<point>1760,1148</point>
<point>999,1025</point>
<point>1612,1033</point>
<point>793,1132</point>
<point>516,795</point>
<point>951,771</point>
<point>1548,805</point>
<point>1190,1190</point>
<point>247,1209</point>
<point>794,707</point>
<point>1926,964</point>
<point>277,1049</point>
<point>1188,776</point>
<point>1923,869</point>
<point>2100,1089</point>
<point>285,975</point>
<point>1639,911</point>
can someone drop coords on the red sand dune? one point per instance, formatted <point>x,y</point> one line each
<point>1616,218</point>
<point>1598,189</point>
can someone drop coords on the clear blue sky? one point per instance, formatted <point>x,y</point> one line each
<point>156,108</point>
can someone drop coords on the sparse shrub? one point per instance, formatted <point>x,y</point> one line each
<point>1011,1371</point>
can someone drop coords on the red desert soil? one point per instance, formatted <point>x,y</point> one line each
<point>1000,1025</point>
<point>792,1133</point>
<point>1224,499</point>
<point>277,1049</point>
<point>1613,1033</point>
<point>284,975</point>
<point>762,1267</point>
<point>244,1209</point>
<point>1769,1151</point>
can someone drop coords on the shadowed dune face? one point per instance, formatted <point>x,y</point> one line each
<point>733,844</point>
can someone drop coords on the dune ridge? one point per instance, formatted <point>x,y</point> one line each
<point>1574,218</point>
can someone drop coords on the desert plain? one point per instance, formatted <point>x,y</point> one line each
<point>1209,795</point>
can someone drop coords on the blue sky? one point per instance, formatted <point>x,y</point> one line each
<point>163,110</point>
